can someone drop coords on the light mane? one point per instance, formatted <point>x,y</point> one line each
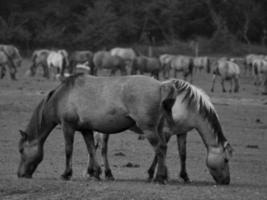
<point>197,99</point>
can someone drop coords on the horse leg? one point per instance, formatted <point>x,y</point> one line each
<point>181,143</point>
<point>161,151</point>
<point>222,83</point>
<point>231,85</point>
<point>33,69</point>
<point>69,137</point>
<point>152,167</point>
<point>3,71</point>
<point>104,153</point>
<point>12,72</point>
<point>93,167</point>
<point>213,83</point>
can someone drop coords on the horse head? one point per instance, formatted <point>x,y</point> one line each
<point>31,155</point>
<point>217,162</point>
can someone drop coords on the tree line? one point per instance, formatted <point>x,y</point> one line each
<point>95,24</point>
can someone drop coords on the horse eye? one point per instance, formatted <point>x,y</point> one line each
<point>226,160</point>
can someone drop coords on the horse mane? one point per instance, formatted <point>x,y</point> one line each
<point>36,121</point>
<point>198,99</point>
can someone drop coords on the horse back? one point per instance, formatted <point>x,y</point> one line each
<point>110,104</point>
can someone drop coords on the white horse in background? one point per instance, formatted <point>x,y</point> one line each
<point>229,71</point>
<point>56,62</point>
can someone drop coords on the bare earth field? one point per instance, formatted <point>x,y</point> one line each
<point>243,117</point>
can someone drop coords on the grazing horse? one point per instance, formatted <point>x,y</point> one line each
<point>81,57</point>
<point>128,54</point>
<point>192,110</point>
<point>182,64</point>
<point>14,58</point>
<point>260,73</point>
<point>57,60</point>
<point>227,70</point>
<point>201,63</point>
<point>114,104</point>
<point>145,64</point>
<point>5,62</point>
<point>39,58</point>
<point>104,60</point>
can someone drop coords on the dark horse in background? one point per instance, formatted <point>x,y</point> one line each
<point>9,58</point>
<point>111,105</point>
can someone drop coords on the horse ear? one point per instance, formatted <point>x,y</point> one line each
<point>23,134</point>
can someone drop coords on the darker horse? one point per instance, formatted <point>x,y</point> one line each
<point>87,103</point>
<point>14,60</point>
<point>104,60</point>
<point>39,58</point>
<point>145,64</point>
<point>80,57</point>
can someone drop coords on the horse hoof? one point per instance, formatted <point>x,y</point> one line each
<point>160,180</point>
<point>65,177</point>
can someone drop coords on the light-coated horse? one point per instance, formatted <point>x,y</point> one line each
<point>145,64</point>
<point>113,104</point>
<point>104,60</point>
<point>195,112</point>
<point>56,62</point>
<point>81,57</point>
<point>227,71</point>
<point>202,62</point>
<point>39,58</point>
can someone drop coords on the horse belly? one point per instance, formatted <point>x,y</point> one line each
<point>112,124</point>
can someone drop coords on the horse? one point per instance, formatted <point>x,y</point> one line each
<point>39,58</point>
<point>5,61</point>
<point>183,64</point>
<point>194,106</point>
<point>13,53</point>
<point>165,60</point>
<point>57,60</point>
<point>128,54</point>
<point>81,57</point>
<point>145,64</point>
<point>201,63</point>
<point>227,70</point>
<point>260,73</point>
<point>14,58</point>
<point>104,60</point>
<point>113,104</point>
<point>248,62</point>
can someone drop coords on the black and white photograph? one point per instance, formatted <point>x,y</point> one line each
<point>133,99</point>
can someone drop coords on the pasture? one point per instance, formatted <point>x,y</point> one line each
<point>243,116</point>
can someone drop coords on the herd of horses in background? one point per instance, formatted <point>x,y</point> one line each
<point>60,64</point>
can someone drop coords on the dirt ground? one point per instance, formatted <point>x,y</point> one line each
<point>243,117</point>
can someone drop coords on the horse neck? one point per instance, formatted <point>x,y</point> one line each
<point>40,124</point>
<point>210,131</point>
